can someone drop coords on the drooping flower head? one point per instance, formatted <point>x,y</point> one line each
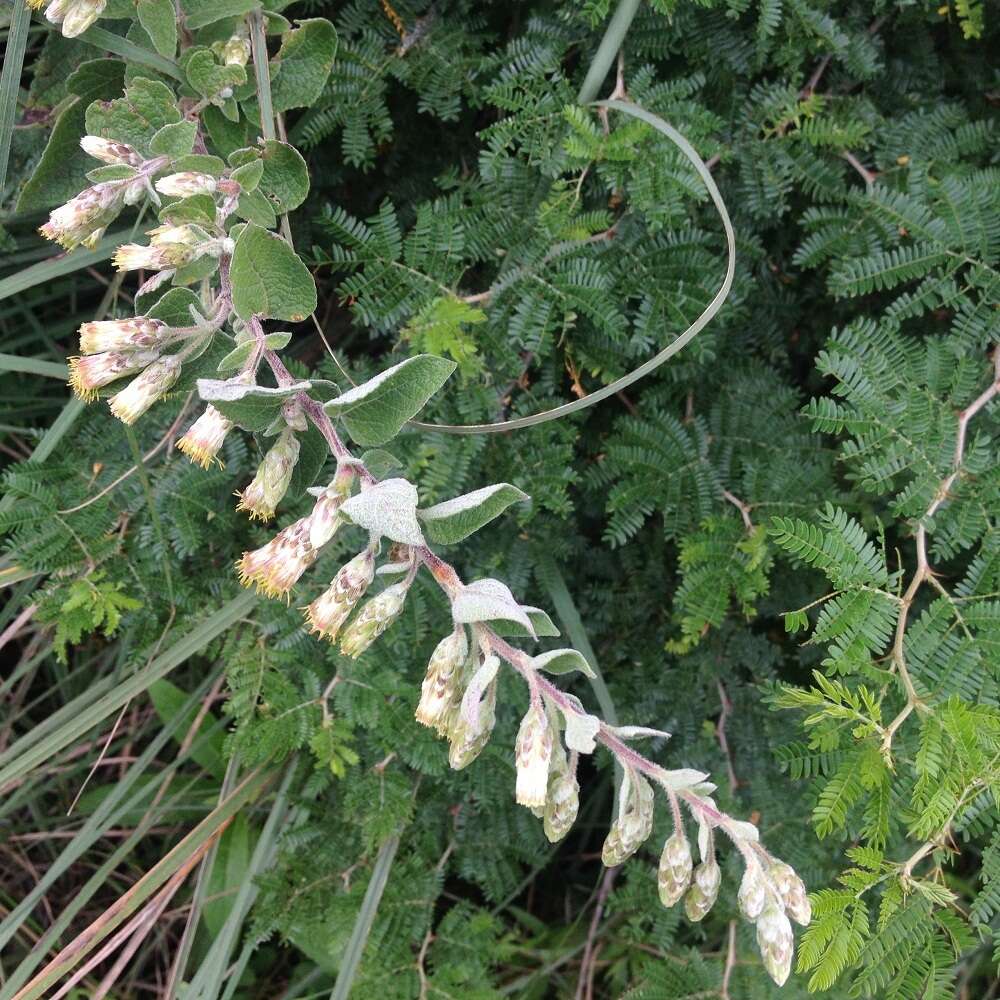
<point>753,891</point>
<point>676,865</point>
<point>276,567</point>
<point>204,438</point>
<point>634,821</point>
<point>333,607</point>
<point>274,474</point>
<point>793,892</point>
<point>704,890</point>
<point>144,390</point>
<point>109,151</point>
<point>441,687</point>
<point>75,16</point>
<point>185,184</point>
<point>776,942</point>
<point>373,619</point>
<point>87,375</point>
<point>532,755</point>
<point>562,802</point>
<point>138,333</point>
<point>83,219</point>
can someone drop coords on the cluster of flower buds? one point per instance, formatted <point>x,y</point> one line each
<point>769,890</point>
<point>274,474</point>
<point>82,221</point>
<point>203,440</point>
<point>633,821</point>
<point>75,16</point>
<point>171,247</point>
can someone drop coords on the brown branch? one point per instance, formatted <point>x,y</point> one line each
<point>585,982</point>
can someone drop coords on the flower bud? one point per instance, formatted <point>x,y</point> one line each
<point>236,51</point>
<point>440,688</point>
<point>532,754</point>
<point>75,16</point>
<point>120,334</point>
<point>274,474</point>
<point>563,800</point>
<point>674,875</point>
<point>634,822</point>
<point>87,375</point>
<point>325,514</point>
<point>205,436</point>
<point>109,151</point>
<point>333,607</point>
<point>468,739</point>
<point>704,890</point>
<point>155,257</point>
<point>185,184</point>
<point>140,394</point>
<point>792,891</point>
<point>373,619</point>
<point>753,891</point>
<point>277,566</point>
<point>776,943</point>
<point>83,218</point>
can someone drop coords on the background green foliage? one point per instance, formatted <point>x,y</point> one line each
<point>738,532</point>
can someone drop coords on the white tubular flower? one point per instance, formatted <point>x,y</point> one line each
<point>109,151</point>
<point>753,891</point>
<point>776,943</point>
<point>634,822</point>
<point>83,219</point>
<point>185,184</point>
<point>532,755</point>
<point>441,682</point>
<point>203,439</point>
<point>333,607</point>
<point>276,567</point>
<point>676,865</point>
<point>704,890</point>
<point>87,375</point>
<point>140,394</point>
<point>563,800</point>
<point>793,892</point>
<point>139,332</point>
<point>274,474</point>
<point>373,619</point>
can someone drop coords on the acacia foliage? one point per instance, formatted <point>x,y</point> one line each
<point>789,531</point>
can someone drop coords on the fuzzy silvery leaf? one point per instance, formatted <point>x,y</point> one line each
<point>639,732</point>
<point>300,69</point>
<point>176,139</point>
<point>704,840</point>
<point>252,407</point>
<point>581,731</point>
<point>487,600</point>
<point>159,20</point>
<point>455,519</point>
<point>540,622</point>
<point>374,411</point>
<point>682,778</point>
<point>741,830</point>
<point>562,661</point>
<point>387,509</point>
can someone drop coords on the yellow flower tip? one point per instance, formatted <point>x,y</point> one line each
<point>198,454</point>
<point>36,4</point>
<point>88,393</point>
<point>256,513</point>
<point>123,412</point>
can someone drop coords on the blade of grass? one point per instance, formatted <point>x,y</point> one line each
<point>194,843</point>
<point>10,81</point>
<point>107,704</point>
<point>33,366</point>
<point>131,52</point>
<point>366,917</point>
<point>63,263</point>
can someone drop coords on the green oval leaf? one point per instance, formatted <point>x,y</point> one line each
<point>374,411</point>
<point>268,278</point>
<point>455,519</point>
